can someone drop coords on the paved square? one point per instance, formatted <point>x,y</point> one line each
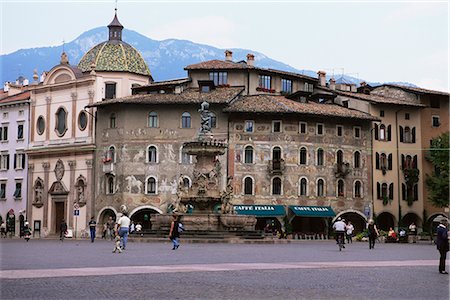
<point>50,269</point>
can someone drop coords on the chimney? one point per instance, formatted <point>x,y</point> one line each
<point>250,60</point>
<point>332,84</point>
<point>322,78</point>
<point>228,55</point>
<point>363,84</point>
<point>6,86</point>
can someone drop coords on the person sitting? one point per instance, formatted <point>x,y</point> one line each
<point>392,236</point>
<point>139,229</point>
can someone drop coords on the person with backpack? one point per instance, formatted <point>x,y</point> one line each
<point>174,234</point>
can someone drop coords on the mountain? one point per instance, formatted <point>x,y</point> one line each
<point>166,59</point>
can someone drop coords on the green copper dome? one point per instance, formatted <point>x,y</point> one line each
<point>114,55</point>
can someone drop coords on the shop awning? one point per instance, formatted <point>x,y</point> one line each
<point>260,210</point>
<point>312,211</point>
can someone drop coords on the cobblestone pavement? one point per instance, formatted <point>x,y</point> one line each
<point>306,270</point>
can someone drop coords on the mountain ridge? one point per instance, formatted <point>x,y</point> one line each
<point>166,58</point>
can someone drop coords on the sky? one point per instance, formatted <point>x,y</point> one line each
<point>376,40</point>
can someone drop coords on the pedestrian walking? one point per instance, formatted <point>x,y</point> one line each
<point>117,244</point>
<point>3,229</point>
<point>174,234</point>
<point>442,244</point>
<point>349,232</point>
<point>110,231</point>
<point>373,233</point>
<point>413,232</point>
<point>123,226</point>
<point>92,228</point>
<point>62,230</point>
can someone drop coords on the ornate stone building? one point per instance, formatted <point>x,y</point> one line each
<point>62,138</point>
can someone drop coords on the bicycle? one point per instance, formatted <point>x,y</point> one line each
<point>340,241</point>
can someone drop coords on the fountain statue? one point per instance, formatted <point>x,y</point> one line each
<point>210,208</point>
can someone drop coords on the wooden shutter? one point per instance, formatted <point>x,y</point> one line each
<point>391,191</point>
<point>401,134</point>
<point>377,161</point>
<point>15,161</point>
<point>415,162</point>
<point>403,191</point>
<point>390,161</point>
<point>389,133</point>
<point>413,135</point>
<point>403,161</point>
<point>376,132</point>
<point>23,161</point>
<point>378,190</point>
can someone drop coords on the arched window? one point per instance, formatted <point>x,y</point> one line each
<point>303,156</point>
<point>303,187</point>
<point>341,188</point>
<point>111,154</point>
<point>407,135</point>
<point>383,161</point>
<point>61,121</point>
<point>186,182</point>
<point>248,155</point>
<point>112,120</point>
<point>152,154</point>
<point>357,160</point>
<point>382,132</point>
<point>358,189</point>
<point>320,157</point>
<point>212,120</point>
<point>110,184</point>
<point>153,119</point>
<point>339,157</point>
<point>276,186</point>
<point>320,188</point>
<point>248,186</point>
<point>186,120</point>
<point>151,185</point>
<point>276,154</point>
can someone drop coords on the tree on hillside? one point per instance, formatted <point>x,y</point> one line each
<point>437,183</point>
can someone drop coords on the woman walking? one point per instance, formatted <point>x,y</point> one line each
<point>373,233</point>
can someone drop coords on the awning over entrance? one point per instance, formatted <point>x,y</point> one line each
<point>312,211</point>
<point>260,210</point>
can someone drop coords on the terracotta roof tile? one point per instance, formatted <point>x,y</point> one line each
<point>417,90</point>
<point>14,98</point>
<point>189,96</point>
<point>217,64</point>
<point>280,104</point>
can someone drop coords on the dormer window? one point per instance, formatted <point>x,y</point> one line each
<point>206,89</point>
<point>286,86</point>
<point>219,78</point>
<point>206,86</point>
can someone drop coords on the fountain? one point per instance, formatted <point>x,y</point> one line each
<point>203,205</point>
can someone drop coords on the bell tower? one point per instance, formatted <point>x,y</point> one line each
<point>115,29</point>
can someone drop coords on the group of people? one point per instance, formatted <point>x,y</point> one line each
<point>343,230</point>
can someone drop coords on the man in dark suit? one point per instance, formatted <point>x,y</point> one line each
<point>442,244</point>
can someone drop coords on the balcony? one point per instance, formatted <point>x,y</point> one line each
<point>276,167</point>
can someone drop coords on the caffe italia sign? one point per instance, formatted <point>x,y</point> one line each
<point>312,211</point>
<point>260,210</point>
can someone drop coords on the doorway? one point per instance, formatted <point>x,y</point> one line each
<point>59,215</point>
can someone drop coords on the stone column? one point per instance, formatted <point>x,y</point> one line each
<point>90,190</point>
<point>48,100</point>
<point>74,112</point>
<point>72,190</point>
<point>30,194</point>
<point>46,166</point>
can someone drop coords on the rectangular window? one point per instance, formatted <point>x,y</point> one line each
<point>4,162</point>
<point>205,89</point>
<point>435,121</point>
<point>276,126</point>
<point>264,82</point>
<point>339,130</point>
<point>286,86</point>
<point>20,132</point>
<point>308,87</point>
<point>302,127</point>
<point>18,191</point>
<point>3,190</point>
<point>19,161</point>
<point>357,132</point>
<point>406,116</point>
<point>219,78</point>
<point>4,133</point>
<point>319,129</point>
<point>248,126</point>
<point>381,113</point>
<point>110,90</point>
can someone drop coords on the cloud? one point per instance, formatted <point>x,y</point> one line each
<point>212,30</point>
